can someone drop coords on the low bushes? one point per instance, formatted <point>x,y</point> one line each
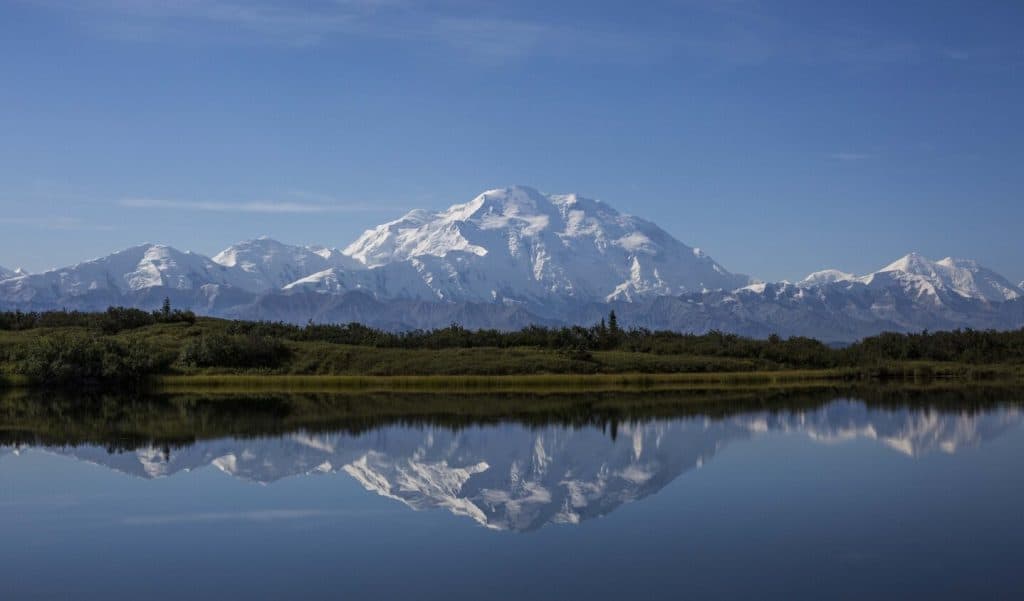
<point>111,321</point>
<point>80,358</point>
<point>216,349</point>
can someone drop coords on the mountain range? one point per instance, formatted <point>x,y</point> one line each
<point>513,257</point>
<point>522,477</point>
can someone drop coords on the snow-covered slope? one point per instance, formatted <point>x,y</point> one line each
<point>253,267</point>
<point>961,276</point>
<point>271,265</point>
<point>9,273</point>
<point>516,243</point>
<point>130,270</point>
<point>826,276</point>
<point>401,280</point>
<point>921,278</point>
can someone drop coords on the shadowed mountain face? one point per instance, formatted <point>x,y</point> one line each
<point>514,477</point>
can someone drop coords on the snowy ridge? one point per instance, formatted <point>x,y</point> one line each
<point>132,269</point>
<point>517,243</point>
<point>922,277</point>
<point>272,265</point>
<point>827,276</point>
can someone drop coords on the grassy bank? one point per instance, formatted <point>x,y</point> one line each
<point>908,372</point>
<point>504,383</point>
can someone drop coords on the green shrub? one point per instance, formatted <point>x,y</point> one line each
<point>82,358</point>
<point>223,350</point>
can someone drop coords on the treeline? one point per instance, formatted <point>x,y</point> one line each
<point>967,346</point>
<point>73,347</point>
<point>111,321</point>
<point>606,335</point>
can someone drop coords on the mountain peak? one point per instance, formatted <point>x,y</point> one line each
<point>264,264</point>
<point>511,201</point>
<point>965,277</point>
<point>826,276</point>
<point>913,262</point>
<point>230,256</point>
<point>954,263</point>
<point>518,243</point>
<point>924,278</point>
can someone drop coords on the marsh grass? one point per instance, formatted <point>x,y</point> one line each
<point>472,383</point>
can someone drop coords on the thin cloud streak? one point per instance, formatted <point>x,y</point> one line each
<point>267,515</point>
<point>56,223</point>
<point>850,156</point>
<point>744,36</point>
<point>478,37</point>
<point>247,207</point>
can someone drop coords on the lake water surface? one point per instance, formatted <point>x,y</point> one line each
<point>829,497</point>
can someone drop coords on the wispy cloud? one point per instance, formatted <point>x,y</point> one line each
<point>850,156</point>
<point>477,35</point>
<point>732,33</point>
<point>266,515</point>
<point>55,223</point>
<point>273,20</point>
<point>247,207</point>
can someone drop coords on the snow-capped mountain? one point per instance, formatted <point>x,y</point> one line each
<point>272,265</point>
<point>130,270</point>
<point>515,477</point>
<point>826,276</point>
<point>922,277</point>
<point>11,273</point>
<point>512,257</point>
<point>516,243</point>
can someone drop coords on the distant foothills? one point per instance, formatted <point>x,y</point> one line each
<point>514,257</point>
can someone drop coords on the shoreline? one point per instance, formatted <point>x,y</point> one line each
<point>241,382</point>
<point>572,382</point>
<point>494,383</point>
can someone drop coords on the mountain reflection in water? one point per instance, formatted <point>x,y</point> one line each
<point>517,476</point>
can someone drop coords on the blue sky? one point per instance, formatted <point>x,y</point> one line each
<point>781,137</point>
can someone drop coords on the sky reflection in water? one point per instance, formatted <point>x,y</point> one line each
<point>842,499</point>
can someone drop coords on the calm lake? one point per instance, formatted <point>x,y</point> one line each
<point>819,496</point>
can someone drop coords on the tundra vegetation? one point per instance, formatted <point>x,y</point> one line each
<point>124,346</point>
